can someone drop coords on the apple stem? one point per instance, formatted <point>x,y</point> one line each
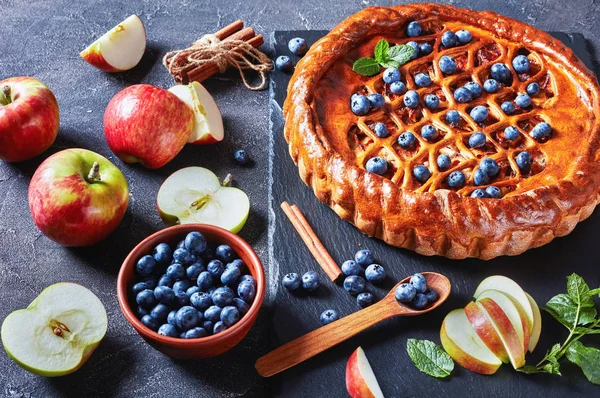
<point>227,181</point>
<point>94,175</point>
<point>5,95</point>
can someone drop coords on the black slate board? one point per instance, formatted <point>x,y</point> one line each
<point>541,272</point>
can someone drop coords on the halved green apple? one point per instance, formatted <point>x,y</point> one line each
<point>58,332</point>
<point>195,195</point>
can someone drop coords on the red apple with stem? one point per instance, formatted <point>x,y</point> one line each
<point>148,125</point>
<point>77,197</point>
<point>29,118</point>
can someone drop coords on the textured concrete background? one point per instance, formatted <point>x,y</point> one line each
<point>43,39</point>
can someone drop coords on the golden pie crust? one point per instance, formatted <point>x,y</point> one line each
<point>330,145</point>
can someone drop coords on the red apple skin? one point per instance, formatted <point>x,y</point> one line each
<point>93,56</point>
<point>147,124</point>
<point>485,330</point>
<point>355,384</point>
<point>67,207</point>
<point>29,124</point>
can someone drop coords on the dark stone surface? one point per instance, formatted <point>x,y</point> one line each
<point>43,39</point>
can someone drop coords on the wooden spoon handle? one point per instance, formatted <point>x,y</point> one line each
<point>319,340</point>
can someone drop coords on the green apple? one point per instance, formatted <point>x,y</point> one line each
<point>195,195</point>
<point>58,332</point>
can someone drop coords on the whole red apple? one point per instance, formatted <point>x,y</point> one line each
<point>78,197</point>
<point>29,118</point>
<point>147,124</point>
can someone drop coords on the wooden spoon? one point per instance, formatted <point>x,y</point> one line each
<point>319,340</point>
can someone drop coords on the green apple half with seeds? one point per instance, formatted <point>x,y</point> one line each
<point>195,195</point>
<point>58,332</point>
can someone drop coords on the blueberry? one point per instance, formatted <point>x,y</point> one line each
<point>164,294</point>
<point>194,270</point>
<point>180,244</point>
<point>375,273</point>
<point>230,276</point>
<point>216,268</point>
<point>201,300</point>
<point>160,312</point>
<point>444,162</point>
<point>181,298</point>
<point>501,73</point>
<point>195,243</point>
<point>533,88</point>
<point>365,299</point>
<point>360,105</point>
<point>376,100</point>
<point>208,326</point>
<point>186,318</point>
<point>284,63</point>
<point>425,48</point>
<point>196,333</point>
<point>491,86</point>
<point>523,100</point>
<point>146,299</point>
<point>248,278</point>
<point>138,287</point>
<point>175,271</point>
<point>541,131</point>
<point>407,139</point>
<point>474,88</point>
<point>479,113</point>
<point>191,290</point>
<point>171,318</point>
<point>479,194</point>
<point>237,263</point>
<point>477,140</point>
<point>456,179</point>
<point>310,281</point>
<point>462,95</point>
<point>391,75</point>
<point>377,165</point>
<point>431,295</point>
<point>414,29</point>
<point>421,173</point>
<point>145,265</point>
<point>412,99</point>
<point>422,79</point>
<point>241,305</point>
<point>291,281</point>
<point>182,335</point>
<point>463,36</point>
<point>508,107</point>
<point>165,280</point>
<point>150,322</point>
<point>521,64</point>
<point>241,157</point>
<point>511,133</point>
<point>246,291</point>
<point>328,316</point>
<point>162,254</point>
<point>449,39</point>
<point>219,327</point>
<point>354,284</point>
<point>350,267</point>
<point>480,177</point>
<point>182,285</point>
<point>419,302</point>
<point>381,130</point>
<point>182,256</point>
<point>222,296</point>
<point>453,117</point>
<point>212,313</point>
<point>415,47</point>
<point>230,315</point>
<point>398,88</point>
<point>419,282</point>
<point>205,280</point>
<point>225,253</point>
<point>432,101</point>
<point>447,65</point>
<point>298,46</point>
<point>524,161</point>
<point>493,192</point>
<point>490,167</point>
<point>405,292</point>
<point>428,132</point>
<point>364,257</point>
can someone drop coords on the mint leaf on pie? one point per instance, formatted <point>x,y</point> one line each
<point>401,53</point>
<point>390,63</point>
<point>429,358</point>
<point>587,358</point>
<point>366,66</point>
<point>381,51</point>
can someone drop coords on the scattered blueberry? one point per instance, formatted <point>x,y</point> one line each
<point>453,117</point>
<point>490,167</point>
<point>162,254</point>
<point>508,107</point>
<point>414,29</point>
<point>425,48</point>
<point>419,302</point>
<point>447,65</point>
<point>375,273</point>
<point>480,177</point>
<point>328,316</point>
<point>491,86</point>
<point>241,157</point>
<point>511,133</point>
<point>479,113</point>
<point>213,313</point>
<point>407,139</point>
<point>523,100</point>
<point>421,173</point>
<point>428,132</point>
<point>533,88</point>
<point>493,192</point>
<point>377,165</point>
<point>291,281</point>
<point>160,312</point>
<point>422,79</point>
<point>196,333</point>
<point>431,295</point>
<point>432,101</point>
<point>479,194</point>
<point>391,75</point>
<point>219,327</point>
<point>222,296</point>
<point>501,73</point>
<point>521,64</point>
<point>462,95</point>
<point>298,46</point>
<point>284,63</point>
<point>150,322</point>
<point>412,99</point>
<point>168,330</point>
<point>405,292</point>
<point>230,315</point>
<point>360,105</point>
<point>205,280</point>
<point>354,284</point>
<point>310,281</point>
<point>201,300</point>
<point>365,299</point>
<point>444,162</point>
<point>146,299</point>
<point>145,265</point>
<point>449,39</point>
<point>463,36</point>
<point>474,88</point>
<point>350,267</point>
<point>381,130</point>
<point>541,131</point>
<point>456,179</point>
<point>477,140</point>
<point>364,257</point>
<point>398,88</point>
<point>224,253</point>
<point>376,100</point>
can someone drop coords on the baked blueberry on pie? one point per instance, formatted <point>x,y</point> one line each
<point>490,130</point>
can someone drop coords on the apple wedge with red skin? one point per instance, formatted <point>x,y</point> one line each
<point>148,125</point>
<point>360,379</point>
<point>29,118</point>
<point>77,197</point>
<point>486,330</point>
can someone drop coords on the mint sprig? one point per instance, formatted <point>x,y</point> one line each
<point>429,358</point>
<point>384,55</point>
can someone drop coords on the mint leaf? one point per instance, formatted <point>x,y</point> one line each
<point>390,63</point>
<point>366,66</point>
<point>528,369</point>
<point>579,291</point>
<point>587,358</point>
<point>381,51</point>
<point>564,309</point>
<point>583,330</point>
<point>429,358</point>
<point>595,292</point>
<point>401,53</point>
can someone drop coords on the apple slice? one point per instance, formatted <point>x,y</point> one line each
<point>462,343</point>
<point>208,123</point>
<point>119,49</point>
<point>360,379</point>
<point>537,323</point>
<point>195,195</point>
<point>58,332</point>
<point>486,330</point>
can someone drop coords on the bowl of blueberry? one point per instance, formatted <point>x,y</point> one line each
<point>192,291</point>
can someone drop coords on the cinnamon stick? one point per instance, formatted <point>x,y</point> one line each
<point>311,241</point>
<point>229,29</point>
